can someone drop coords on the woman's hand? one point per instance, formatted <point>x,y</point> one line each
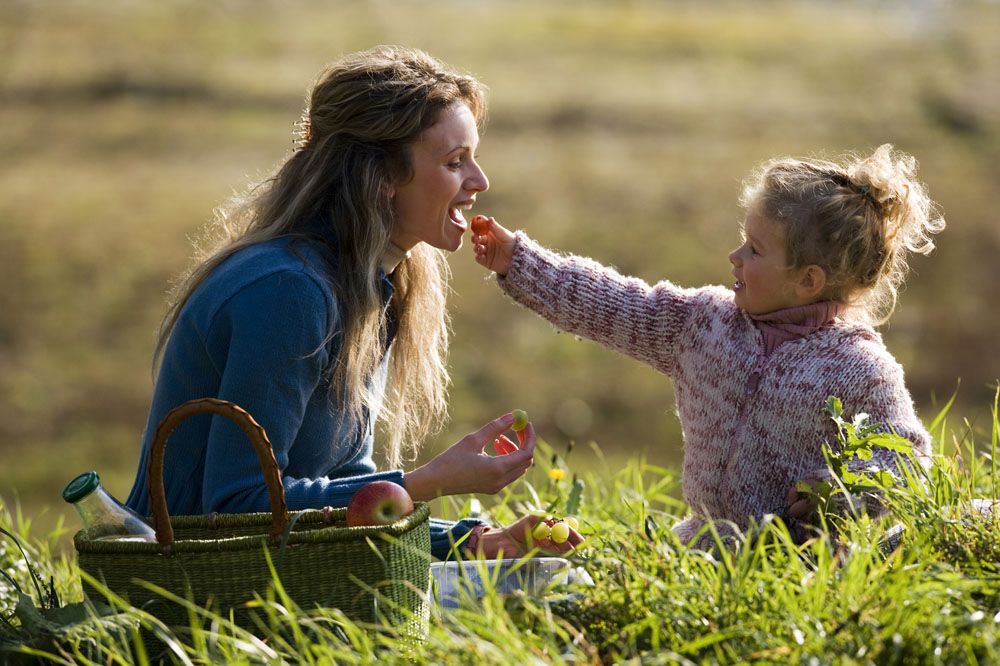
<point>467,468</point>
<point>515,540</point>
<point>495,248</point>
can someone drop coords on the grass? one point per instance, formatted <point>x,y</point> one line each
<point>934,600</point>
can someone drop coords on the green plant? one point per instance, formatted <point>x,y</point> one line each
<point>42,625</point>
<point>856,440</point>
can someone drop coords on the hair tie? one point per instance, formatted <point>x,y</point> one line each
<point>866,192</point>
<point>304,130</point>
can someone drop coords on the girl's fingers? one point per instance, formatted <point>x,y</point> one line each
<point>800,509</point>
<point>792,497</point>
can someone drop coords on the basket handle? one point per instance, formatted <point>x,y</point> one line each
<point>254,432</point>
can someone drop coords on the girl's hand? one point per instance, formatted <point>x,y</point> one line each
<point>801,505</point>
<point>515,540</point>
<point>495,248</point>
<point>467,468</point>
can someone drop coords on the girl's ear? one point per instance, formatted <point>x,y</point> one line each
<point>811,283</point>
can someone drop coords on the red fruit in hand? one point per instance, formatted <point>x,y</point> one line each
<point>504,446</point>
<point>378,503</point>
<point>480,225</point>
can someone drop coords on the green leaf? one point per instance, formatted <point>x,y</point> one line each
<point>32,621</point>
<point>70,614</point>
<point>835,407</point>
<point>884,479</point>
<point>850,477</point>
<point>575,494</point>
<point>892,442</point>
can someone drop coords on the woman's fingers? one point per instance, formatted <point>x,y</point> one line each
<point>490,432</point>
<point>526,436</point>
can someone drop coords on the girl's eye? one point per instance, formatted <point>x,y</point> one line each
<point>455,165</point>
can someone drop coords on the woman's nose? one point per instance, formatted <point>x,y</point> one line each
<point>734,256</point>
<point>477,181</point>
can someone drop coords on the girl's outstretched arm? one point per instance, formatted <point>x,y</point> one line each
<point>583,297</point>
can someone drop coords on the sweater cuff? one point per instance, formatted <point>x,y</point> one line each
<point>445,535</point>
<point>532,268</point>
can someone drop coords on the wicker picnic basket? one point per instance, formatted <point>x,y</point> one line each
<point>373,574</point>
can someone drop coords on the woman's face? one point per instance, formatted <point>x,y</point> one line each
<point>445,181</point>
<point>764,283</point>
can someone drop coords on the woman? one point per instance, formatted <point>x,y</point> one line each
<point>322,309</point>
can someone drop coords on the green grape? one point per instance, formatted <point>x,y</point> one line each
<point>560,532</point>
<point>572,522</point>
<point>541,531</point>
<point>520,420</point>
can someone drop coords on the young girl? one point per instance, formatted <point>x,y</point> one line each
<point>823,255</point>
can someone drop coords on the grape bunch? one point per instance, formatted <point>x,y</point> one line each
<point>555,529</point>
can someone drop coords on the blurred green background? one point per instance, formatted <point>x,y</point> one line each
<point>620,130</point>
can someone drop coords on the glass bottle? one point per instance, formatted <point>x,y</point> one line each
<point>104,517</point>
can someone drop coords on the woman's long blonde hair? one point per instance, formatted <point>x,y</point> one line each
<point>858,219</point>
<point>363,114</point>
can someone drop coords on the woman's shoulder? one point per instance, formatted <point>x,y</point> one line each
<point>250,264</point>
<point>282,269</point>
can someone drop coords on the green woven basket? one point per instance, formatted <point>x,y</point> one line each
<point>373,574</point>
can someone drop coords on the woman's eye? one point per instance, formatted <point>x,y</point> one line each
<point>454,165</point>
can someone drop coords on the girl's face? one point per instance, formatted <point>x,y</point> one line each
<point>445,181</point>
<point>764,282</point>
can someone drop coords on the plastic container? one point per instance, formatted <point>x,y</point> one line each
<point>543,577</point>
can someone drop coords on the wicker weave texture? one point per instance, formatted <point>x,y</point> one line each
<point>332,567</point>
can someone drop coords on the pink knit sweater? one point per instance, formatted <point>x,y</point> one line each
<point>753,423</point>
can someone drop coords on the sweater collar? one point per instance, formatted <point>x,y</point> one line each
<point>797,322</point>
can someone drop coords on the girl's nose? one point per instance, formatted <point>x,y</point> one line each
<point>734,256</point>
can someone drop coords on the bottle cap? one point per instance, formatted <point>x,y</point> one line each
<point>81,486</point>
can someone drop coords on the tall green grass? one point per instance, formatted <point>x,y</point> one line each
<point>934,599</point>
<point>618,129</point>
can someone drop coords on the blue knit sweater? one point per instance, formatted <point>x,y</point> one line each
<point>257,332</point>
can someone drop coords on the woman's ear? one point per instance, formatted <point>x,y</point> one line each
<point>811,283</point>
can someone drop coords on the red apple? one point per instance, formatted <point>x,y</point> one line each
<point>378,503</point>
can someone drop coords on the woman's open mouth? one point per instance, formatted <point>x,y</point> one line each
<point>457,216</point>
